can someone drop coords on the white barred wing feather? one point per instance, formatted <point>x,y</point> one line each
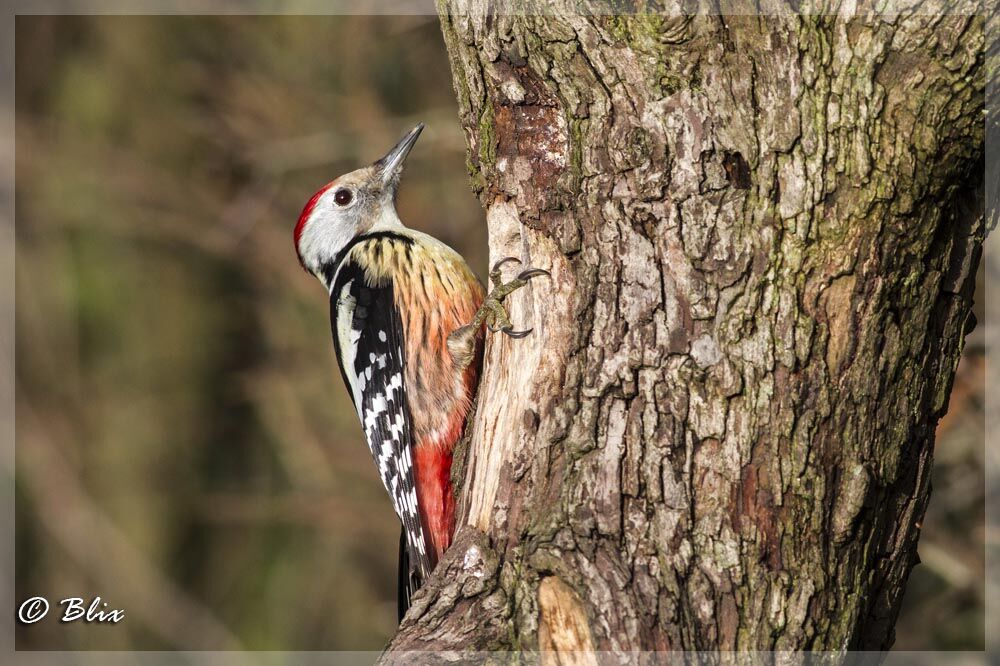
<point>368,337</point>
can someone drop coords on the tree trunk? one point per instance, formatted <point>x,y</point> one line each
<point>762,250</point>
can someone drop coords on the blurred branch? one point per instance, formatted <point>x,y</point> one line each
<point>303,152</point>
<point>104,552</point>
<point>948,567</point>
<point>330,512</point>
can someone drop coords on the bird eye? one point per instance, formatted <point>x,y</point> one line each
<point>343,197</point>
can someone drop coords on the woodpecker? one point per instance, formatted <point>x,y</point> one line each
<point>407,316</point>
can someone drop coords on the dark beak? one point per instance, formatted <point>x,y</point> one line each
<point>391,166</point>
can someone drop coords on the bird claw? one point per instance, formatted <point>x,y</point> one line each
<point>511,333</point>
<point>531,273</point>
<point>505,260</point>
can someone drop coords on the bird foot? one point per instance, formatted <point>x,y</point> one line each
<point>492,313</point>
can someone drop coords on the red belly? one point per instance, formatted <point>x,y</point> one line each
<point>434,496</point>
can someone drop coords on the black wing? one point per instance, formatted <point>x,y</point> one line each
<point>368,338</point>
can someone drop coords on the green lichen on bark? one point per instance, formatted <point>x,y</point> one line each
<point>486,136</point>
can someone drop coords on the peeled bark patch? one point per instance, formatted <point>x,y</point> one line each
<point>563,634</point>
<point>839,312</point>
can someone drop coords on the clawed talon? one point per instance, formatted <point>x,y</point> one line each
<point>505,260</point>
<point>532,272</point>
<point>492,312</point>
<point>516,334</point>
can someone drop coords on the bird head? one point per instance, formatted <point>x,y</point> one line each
<point>355,203</point>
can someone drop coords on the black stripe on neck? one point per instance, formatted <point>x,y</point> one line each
<point>329,268</point>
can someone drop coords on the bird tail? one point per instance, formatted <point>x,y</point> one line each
<point>409,577</point>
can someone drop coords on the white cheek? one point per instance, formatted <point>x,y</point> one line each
<point>327,232</point>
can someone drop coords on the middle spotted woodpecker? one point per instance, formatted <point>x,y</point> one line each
<point>407,317</point>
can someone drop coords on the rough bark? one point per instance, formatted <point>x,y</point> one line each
<point>761,244</point>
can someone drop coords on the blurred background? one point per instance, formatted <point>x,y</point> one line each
<point>185,447</point>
